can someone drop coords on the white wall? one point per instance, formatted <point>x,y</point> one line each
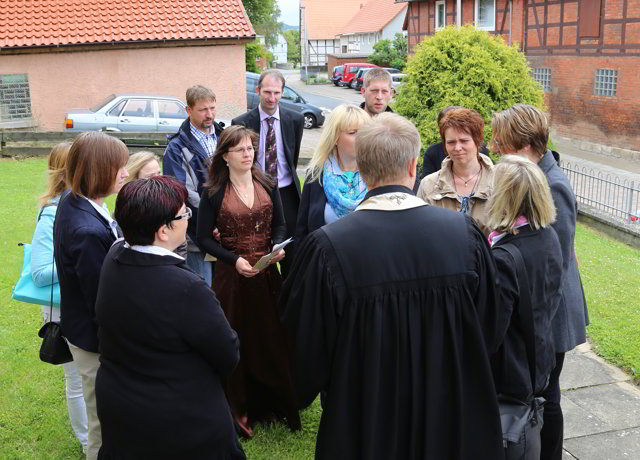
<point>280,50</point>
<point>395,26</point>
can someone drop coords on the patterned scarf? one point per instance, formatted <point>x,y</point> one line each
<point>344,190</point>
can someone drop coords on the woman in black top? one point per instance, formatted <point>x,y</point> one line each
<point>241,201</point>
<point>521,211</point>
<point>166,345</point>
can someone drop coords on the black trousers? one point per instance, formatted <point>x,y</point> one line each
<point>553,429</point>
<point>290,203</point>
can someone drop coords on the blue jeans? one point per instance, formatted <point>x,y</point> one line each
<point>195,261</point>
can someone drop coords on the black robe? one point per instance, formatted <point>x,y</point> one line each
<point>390,313</point>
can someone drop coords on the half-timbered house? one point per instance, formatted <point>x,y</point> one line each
<point>585,54</point>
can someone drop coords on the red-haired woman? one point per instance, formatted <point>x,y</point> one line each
<point>243,203</point>
<point>464,183</point>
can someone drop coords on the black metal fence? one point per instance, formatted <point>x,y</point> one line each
<point>605,193</point>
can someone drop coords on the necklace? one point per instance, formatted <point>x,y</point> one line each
<point>468,179</point>
<point>243,196</point>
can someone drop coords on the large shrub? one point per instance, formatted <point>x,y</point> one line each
<point>465,67</point>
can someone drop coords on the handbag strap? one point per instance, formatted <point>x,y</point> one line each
<point>64,195</point>
<point>525,310</point>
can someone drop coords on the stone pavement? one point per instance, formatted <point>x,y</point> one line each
<point>601,408</point>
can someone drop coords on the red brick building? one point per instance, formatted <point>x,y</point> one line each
<point>585,53</point>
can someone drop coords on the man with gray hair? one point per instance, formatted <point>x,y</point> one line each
<point>390,311</point>
<point>377,90</point>
<point>187,158</point>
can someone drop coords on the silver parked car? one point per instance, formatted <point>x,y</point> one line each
<point>129,112</point>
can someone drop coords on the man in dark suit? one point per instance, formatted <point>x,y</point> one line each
<point>280,132</point>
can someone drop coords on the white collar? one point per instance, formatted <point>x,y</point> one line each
<point>104,212</point>
<point>152,249</point>
<point>392,201</point>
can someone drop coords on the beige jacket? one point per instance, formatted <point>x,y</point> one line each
<point>437,189</point>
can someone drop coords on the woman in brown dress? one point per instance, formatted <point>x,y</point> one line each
<point>242,202</point>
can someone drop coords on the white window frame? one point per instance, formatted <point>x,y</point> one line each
<point>443,4</point>
<point>606,83</point>
<point>488,28</point>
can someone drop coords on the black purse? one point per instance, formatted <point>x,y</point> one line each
<point>54,348</point>
<point>518,416</point>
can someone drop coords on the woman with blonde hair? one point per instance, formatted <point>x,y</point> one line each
<point>464,182</point>
<point>333,186</point>
<point>143,165</point>
<point>44,273</point>
<point>529,275</point>
<point>524,130</point>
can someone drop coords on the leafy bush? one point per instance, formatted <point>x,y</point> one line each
<point>387,53</point>
<point>465,67</point>
<point>253,51</point>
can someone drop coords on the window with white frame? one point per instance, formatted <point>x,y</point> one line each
<point>441,14</point>
<point>15,97</point>
<point>543,76</point>
<point>606,83</point>
<point>485,14</point>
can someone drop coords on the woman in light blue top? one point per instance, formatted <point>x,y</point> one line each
<point>333,185</point>
<point>44,273</point>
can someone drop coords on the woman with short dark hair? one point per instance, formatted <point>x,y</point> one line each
<point>84,232</point>
<point>243,203</point>
<point>165,343</point>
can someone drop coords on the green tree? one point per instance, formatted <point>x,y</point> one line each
<point>388,53</point>
<point>465,67</point>
<point>293,46</point>
<point>264,15</point>
<point>253,51</point>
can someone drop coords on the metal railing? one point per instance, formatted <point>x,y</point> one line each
<point>606,193</point>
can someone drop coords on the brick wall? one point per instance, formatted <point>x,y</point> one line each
<point>333,60</point>
<point>577,113</point>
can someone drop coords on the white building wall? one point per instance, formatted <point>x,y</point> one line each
<point>395,26</point>
<point>280,50</point>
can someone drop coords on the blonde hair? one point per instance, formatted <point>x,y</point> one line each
<point>520,188</point>
<point>519,126</point>
<point>342,119</point>
<point>56,172</point>
<point>384,148</point>
<point>137,161</point>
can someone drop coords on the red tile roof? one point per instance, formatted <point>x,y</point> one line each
<point>75,22</point>
<point>373,16</point>
<point>326,18</point>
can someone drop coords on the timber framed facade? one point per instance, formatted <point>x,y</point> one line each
<point>585,54</point>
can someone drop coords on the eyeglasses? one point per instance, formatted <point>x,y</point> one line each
<point>246,149</point>
<point>186,215</point>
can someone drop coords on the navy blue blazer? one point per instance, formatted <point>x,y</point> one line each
<point>82,239</point>
<point>311,210</point>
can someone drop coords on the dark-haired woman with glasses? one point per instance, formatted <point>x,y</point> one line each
<point>465,181</point>
<point>166,345</point>
<point>243,203</point>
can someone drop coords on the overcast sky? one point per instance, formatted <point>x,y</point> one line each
<point>290,13</point>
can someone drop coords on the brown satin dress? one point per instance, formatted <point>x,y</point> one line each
<point>260,386</point>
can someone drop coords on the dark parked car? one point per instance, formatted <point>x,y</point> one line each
<point>350,71</point>
<point>336,76</point>
<point>358,81</point>
<point>313,115</point>
<point>129,112</point>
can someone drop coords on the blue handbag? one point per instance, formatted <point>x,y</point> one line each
<point>27,291</point>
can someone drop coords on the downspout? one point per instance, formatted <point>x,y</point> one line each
<point>459,13</point>
<point>510,19</point>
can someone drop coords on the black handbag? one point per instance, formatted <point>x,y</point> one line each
<point>518,417</point>
<point>54,348</point>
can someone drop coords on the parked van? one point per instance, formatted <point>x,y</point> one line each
<point>350,71</point>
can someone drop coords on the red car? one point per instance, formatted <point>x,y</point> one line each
<point>350,71</point>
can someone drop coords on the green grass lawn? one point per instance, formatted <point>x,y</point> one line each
<point>33,415</point>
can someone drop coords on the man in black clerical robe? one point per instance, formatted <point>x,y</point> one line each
<point>390,310</point>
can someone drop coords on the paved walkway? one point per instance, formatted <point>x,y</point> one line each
<point>601,409</point>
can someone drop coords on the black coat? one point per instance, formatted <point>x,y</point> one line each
<point>542,257</point>
<point>291,128</point>
<point>82,239</point>
<point>166,348</point>
<point>311,211</point>
<point>391,319</point>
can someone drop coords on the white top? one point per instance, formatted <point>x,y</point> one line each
<point>151,249</point>
<point>104,212</point>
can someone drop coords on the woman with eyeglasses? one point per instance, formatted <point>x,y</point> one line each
<point>243,203</point>
<point>464,182</point>
<point>166,345</point>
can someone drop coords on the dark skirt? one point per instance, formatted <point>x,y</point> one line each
<point>260,387</point>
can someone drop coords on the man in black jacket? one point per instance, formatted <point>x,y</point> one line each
<point>280,132</point>
<point>187,158</point>
<point>377,91</point>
